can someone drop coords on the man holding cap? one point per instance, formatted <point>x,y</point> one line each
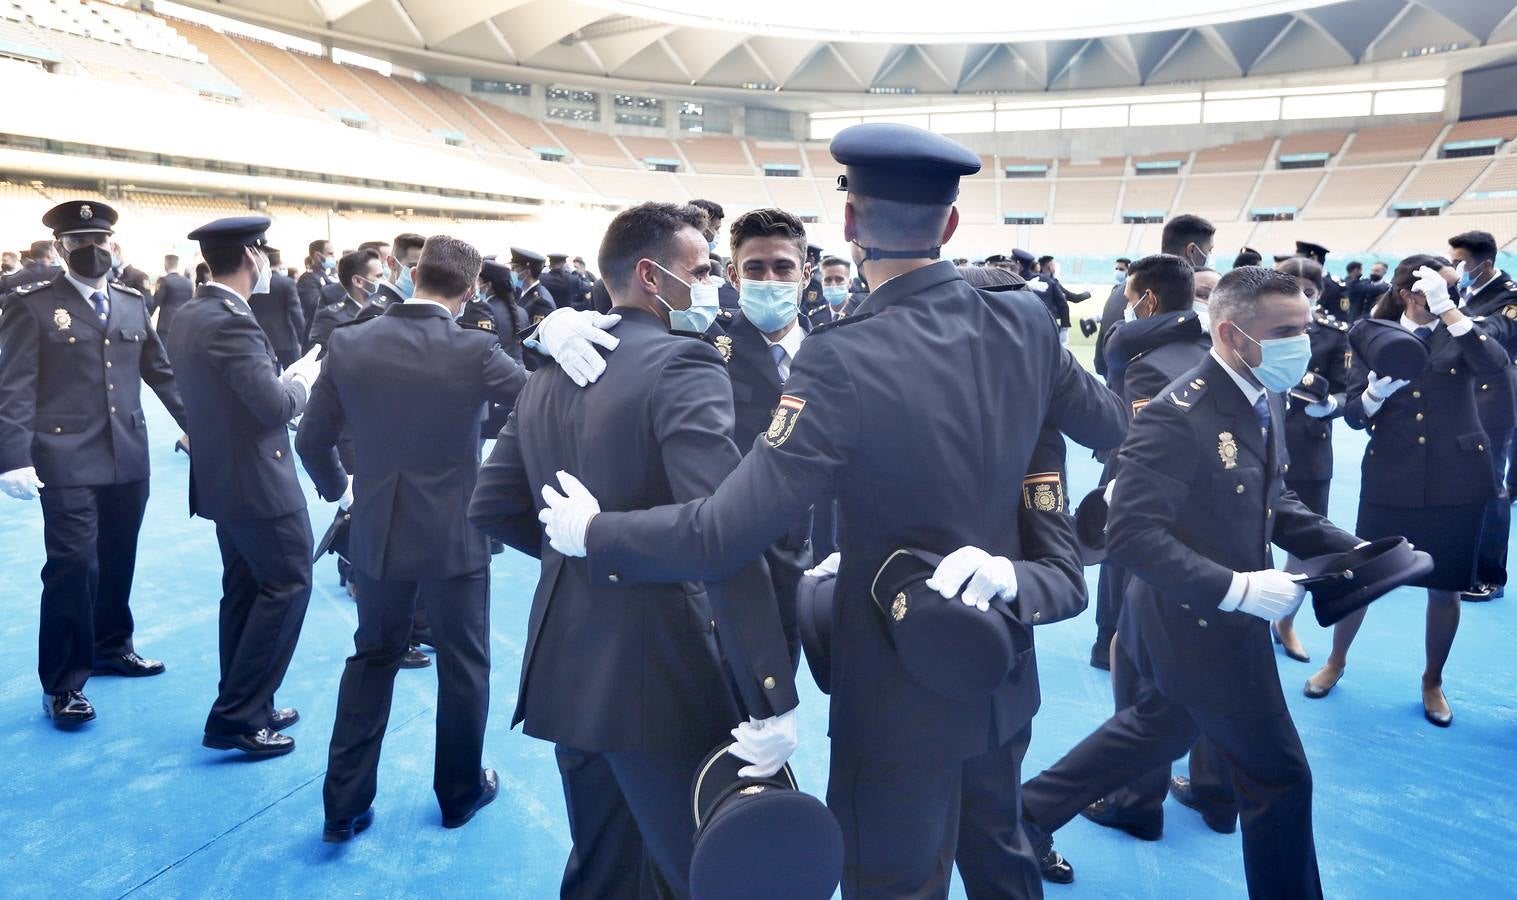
<point>76,350</point>
<point>852,419</point>
<point>242,477</point>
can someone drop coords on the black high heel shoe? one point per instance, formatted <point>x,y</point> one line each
<point>1274,633</point>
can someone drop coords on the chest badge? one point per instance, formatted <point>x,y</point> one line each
<point>1227,450</point>
<point>62,319</point>
<point>724,344</point>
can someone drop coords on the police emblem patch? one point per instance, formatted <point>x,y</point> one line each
<point>898,607</point>
<point>86,212</point>
<point>786,414</point>
<point>1227,450</point>
<point>1043,492</point>
<point>724,344</point>
<point>1510,312</point>
<point>62,319</point>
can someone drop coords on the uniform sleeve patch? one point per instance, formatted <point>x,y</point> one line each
<point>786,414</point>
<point>1043,492</point>
<point>1139,403</point>
<point>1510,312</point>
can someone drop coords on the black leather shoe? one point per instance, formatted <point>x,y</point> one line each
<point>1106,815</point>
<point>283,718</point>
<point>264,742</point>
<point>129,665</point>
<point>415,659</point>
<point>1221,823</point>
<point>1480,593</point>
<point>1054,868</point>
<point>492,789</point>
<point>182,446</point>
<point>69,709</point>
<point>336,831</point>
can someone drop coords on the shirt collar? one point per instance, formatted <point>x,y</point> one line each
<point>433,302</point>
<point>85,290</point>
<point>791,341</point>
<point>217,284</point>
<point>1251,393</point>
<point>1411,326</point>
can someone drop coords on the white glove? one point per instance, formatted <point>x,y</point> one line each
<point>305,369</point>
<point>1431,285</point>
<point>826,567</point>
<point>1380,388</point>
<point>346,501</point>
<point>766,743</point>
<point>1038,285</point>
<point>1322,409</point>
<point>566,517</point>
<point>988,577</point>
<point>1111,486</point>
<point>21,483</point>
<point>567,335</point>
<point>1270,594</point>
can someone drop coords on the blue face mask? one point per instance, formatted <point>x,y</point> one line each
<point>1121,277</point>
<point>711,245</point>
<point>703,306</point>
<point>836,294</point>
<point>329,264</point>
<point>1466,277</point>
<point>769,305</point>
<point>1283,361</point>
<point>403,283</point>
<point>516,281</point>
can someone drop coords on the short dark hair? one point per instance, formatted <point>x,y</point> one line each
<point>448,267</point>
<point>1479,244</point>
<point>39,249</point>
<point>1124,260</point>
<point>1238,292</point>
<point>1044,260</point>
<point>1169,278</point>
<point>223,261</point>
<point>1354,266</point>
<point>352,264</point>
<point>895,225</point>
<point>767,223</point>
<point>1303,267</point>
<point>406,242</point>
<point>711,208</point>
<point>373,245</point>
<point>1185,229</point>
<point>314,247</point>
<point>274,258</point>
<point>836,261</point>
<point>1391,305</point>
<point>170,261</point>
<point>645,231</point>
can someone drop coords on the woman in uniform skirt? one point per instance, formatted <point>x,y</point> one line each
<point>1426,472</point>
<point>1309,423</point>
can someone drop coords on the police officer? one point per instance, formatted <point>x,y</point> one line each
<point>321,272</point>
<point>564,287</point>
<point>813,301</point>
<point>42,266</point>
<point>854,419</point>
<point>1363,293</point>
<point>360,275</point>
<point>172,291</point>
<point>627,680</point>
<point>278,312</point>
<point>242,477</point>
<point>1488,293</point>
<point>1198,498</point>
<point>1309,422</point>
<point>76,350</point>
<point>411,539</point>
<point>1334,299</point>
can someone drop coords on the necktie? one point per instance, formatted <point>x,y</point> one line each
<point>1423,332</point>
<point>1261,409</point>
<point>778,352</point>
<point>102,305</point>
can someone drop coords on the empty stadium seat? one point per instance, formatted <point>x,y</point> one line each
<point>1391,143</point>
<point>1244,156</point>
<point>717,156</point>
<point>1082,200</point>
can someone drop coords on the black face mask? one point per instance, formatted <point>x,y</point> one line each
<point>92,261</point>
<point>1376,276</point>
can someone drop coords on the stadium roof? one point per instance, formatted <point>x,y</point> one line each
<point>873,46</point>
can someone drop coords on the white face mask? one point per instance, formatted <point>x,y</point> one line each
<point>265,274</point>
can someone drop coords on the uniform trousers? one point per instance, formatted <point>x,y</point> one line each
<point>904,826</point>
<point>1110,578</point>
<point>1490,562</point>
<point>1271,780</point>
<point>627,809</point>
<point>90,535</point>
<point>265,588</point>
<point>460,612</point>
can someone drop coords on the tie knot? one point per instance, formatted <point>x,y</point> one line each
<point>1424,332</point>
<point>1261,409</point>
<point>778,352</point>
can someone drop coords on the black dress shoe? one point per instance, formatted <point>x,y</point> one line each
<point>1479,593</point>
<point>182,446</point>
<point>129,665</point>
<point>1054,868</point>
<point>283,718</point>
<point>264,742</point>
<point>1104,814</point>
<point>1221,823</point>
<point>336,831</point>
<point>68,709</point>
<point>415,659</point>
<point>492,789</point>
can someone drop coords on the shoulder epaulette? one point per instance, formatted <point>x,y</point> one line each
<point>334,307</point>
<point>232,307</point>
<point>28,288</point>
<point>362,320</point>
<point>126,287</point>
<point>1186,395</point>
<point>839,323</point>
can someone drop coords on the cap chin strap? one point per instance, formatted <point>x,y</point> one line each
<point>876,253</point>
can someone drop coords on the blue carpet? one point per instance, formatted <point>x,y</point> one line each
<point>133,805</point>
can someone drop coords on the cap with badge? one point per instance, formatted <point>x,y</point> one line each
<point>898,162</point>
<point>557,258</point>
<point>235,231</point>
<point>760,838</point>
<point>1388,349</point>
<point>1343,583</point>
<point>518,255</point>
<point>1023,257</point>
<point>80,216</point>
<point>1311,251</point>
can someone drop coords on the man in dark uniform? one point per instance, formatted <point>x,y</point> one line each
<point>242,477</point>
<point>837,289</point>
<point>526,268</point>
<point>813,302</point>
<point>172,292</point>
<point>562,286</point>
<point>399,265</point>
<point>359,276</point>
<point>1490,293</point>
<point>74,352</point>
<point>278,312</point>
<point>1187,236</point>
<point>321,270</point>
<point>984,378</point>
<point>411,538</point>
<point>1198,499</point>
<point>1334,299</point>
<point>44,265</point>
<point>628,681</point>
<point>1363,293</point>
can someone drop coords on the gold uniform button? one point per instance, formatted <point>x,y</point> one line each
<point>769,682</point>
<point>613,578</point>
<point>1269,513</point>
<point>1036,616</point>
<point>1485,387</point>
<point>1416,395</point>
<point>279,454</point>
<point>1239,489</point>
<point>1453,371</point>
<point>73,340</point>
<point>1201,622</point>
<point>1484,338</point>
<point>1422,439</point>
<point>110,387</point>
<point>107,342</point>
<point>1185,606</point>
<point>1480,447</point>
<point>113,409</point>
<point>57,430</point>
<point>108,364</point>
<point>1419,417</point>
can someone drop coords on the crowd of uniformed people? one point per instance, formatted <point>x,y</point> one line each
<point>733,452</point>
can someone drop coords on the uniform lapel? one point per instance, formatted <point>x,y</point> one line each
<point>113,315</point>
<point>78,307</point>
<point>749,346</point>
<point>1233,405</point>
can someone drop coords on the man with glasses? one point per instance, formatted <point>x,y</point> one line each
<point>76,350</point>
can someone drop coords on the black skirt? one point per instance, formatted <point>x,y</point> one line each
<point>1450,534</point>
